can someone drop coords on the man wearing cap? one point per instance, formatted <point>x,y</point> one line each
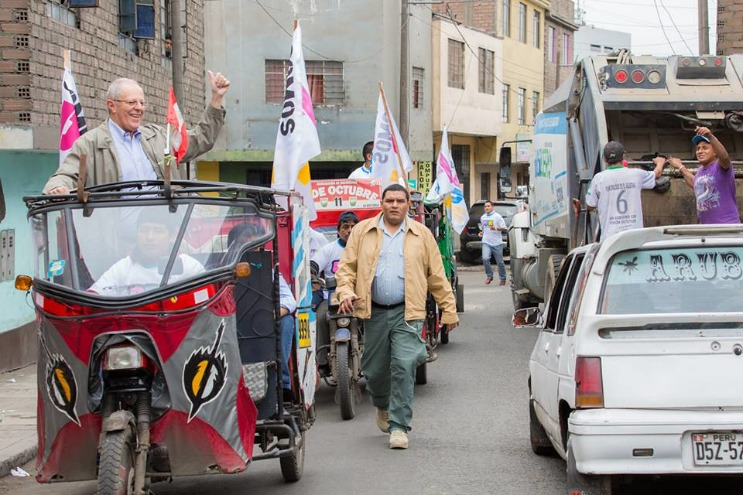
<point>616,191</point>
<point>714,182</point>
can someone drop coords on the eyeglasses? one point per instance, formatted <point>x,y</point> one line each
<point>132,103</point>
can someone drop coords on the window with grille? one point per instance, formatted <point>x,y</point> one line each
<point>21,41</point>
<point>551,45</point>
<point>485,185</point>
<point>720,23</point>
<point>23,67</point>
<point>521,106</point>
<point>58,11</point>
<point>324,77</point>
<point>566,55</point>
<point>536,27</point>
<point>418,80</point>
<point>505,99</point>
<point>534,105</point>
<point>456,64</point>
<point>720,37</point>
<point>720,8</point>
<point>506,18</point>
<point>24,92</point>
<point>486,72</point>
<point>522,23</point>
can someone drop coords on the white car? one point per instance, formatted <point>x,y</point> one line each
<point>638,369</point>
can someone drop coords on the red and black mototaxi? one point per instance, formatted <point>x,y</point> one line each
<point>159,342</point>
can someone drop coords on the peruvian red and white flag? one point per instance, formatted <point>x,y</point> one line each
<point>177,133</point>
<point>72,119</point>
<point>297,141</point>
<point>390,159</point>
<point>447,186</point>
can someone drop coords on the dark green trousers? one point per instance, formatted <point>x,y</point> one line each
<point>393,349</point>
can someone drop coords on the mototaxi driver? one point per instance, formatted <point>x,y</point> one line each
<point>327,260</point>
<point>140,271</point>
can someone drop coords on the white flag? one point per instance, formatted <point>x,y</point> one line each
<point>296,140</point>
<point>447,182</point>
<point>389,150</point>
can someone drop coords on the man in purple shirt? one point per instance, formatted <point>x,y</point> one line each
<point>714,182</point>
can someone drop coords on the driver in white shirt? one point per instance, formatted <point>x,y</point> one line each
<point>141,271</point>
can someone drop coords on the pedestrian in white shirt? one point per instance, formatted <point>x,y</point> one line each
<point>491,227</point>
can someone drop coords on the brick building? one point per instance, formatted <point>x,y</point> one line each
<point>729,27</point>
<point>559,36</point>
<point>106,43</point>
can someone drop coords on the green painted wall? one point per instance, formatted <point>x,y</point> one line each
<point>23,173</point>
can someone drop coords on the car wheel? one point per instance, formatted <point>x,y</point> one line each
<point>540,442</point>
<point>583,483</point>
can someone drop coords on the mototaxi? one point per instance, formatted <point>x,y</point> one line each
<point>159,343</point>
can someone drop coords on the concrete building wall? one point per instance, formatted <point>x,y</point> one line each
<point>591,41</point>
<point>729,27</point>
<point>364,36</point>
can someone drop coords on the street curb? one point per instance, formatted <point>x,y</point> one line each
<point>17,460</point>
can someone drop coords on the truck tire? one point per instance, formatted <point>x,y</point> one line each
<point>346,386</point>
<point>116,464</point>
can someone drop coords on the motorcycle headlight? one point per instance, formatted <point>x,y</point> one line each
<point>343,322</point>
<point>123,358</point>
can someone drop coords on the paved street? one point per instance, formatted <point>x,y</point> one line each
<point>470,430</point>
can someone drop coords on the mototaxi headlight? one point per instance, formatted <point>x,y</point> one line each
<point>343,322</point>
<point>123,358</point>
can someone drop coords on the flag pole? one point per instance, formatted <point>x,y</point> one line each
<point>394,141</point>
<point>67,59</point>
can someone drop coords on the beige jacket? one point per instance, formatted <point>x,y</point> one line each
<point>424,270</point>
<point>103,163</point>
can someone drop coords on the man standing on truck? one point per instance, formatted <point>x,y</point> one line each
<point>714,182</point>
<point>492,227</point>
<point>616,191</point>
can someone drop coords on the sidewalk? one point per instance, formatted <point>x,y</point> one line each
<point>17,418</point>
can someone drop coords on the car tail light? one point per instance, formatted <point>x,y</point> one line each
<point>589,388</point>
<point>654,77</point>
<point>621,76</point>
<point>718,62</point>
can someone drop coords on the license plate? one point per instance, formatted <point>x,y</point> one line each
<point>720,448</point>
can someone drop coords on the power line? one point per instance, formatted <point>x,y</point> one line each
<point>675,26</point>
<point>655,2</point>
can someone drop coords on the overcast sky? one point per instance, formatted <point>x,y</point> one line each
<point>658,27</point>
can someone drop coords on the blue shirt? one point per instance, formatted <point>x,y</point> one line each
<point>388,286</point>
<point>132,159</point>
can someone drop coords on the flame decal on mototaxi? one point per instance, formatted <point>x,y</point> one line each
<point>204,374</point>
<point>61,385</point>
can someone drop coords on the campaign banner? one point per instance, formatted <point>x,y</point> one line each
<point>346,194</point>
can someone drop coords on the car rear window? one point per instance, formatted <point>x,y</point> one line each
<point>685,280</point>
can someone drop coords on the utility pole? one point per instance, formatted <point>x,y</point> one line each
<point>404,79</point>
<point>703,27</point>
<point>176,33</point>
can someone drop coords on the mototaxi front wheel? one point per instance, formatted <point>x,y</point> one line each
<point>116,464</point>
<point>346,386</point>
<point>292,467</point>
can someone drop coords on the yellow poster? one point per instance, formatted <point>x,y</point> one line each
<point>425,177</point>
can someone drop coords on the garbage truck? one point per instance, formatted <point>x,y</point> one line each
<point>652,105</point>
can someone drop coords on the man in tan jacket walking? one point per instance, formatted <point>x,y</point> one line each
<point>388,267</point>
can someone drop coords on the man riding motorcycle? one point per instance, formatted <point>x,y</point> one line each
<point>325,263</point>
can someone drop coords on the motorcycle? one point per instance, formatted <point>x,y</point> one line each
<point>344,352</point>
<point>160,351</point>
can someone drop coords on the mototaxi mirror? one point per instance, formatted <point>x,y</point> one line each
<point>526,317</point>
